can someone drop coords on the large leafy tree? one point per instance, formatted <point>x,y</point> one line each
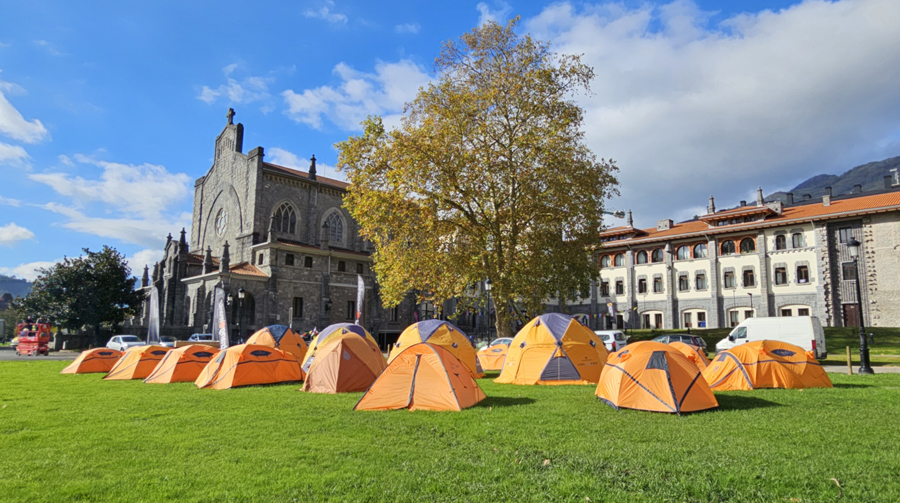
<point>487,176</point>
<point>89,290</point>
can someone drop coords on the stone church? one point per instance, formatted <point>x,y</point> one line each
<point>277,235</point>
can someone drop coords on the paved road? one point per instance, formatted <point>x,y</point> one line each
<point>7,354</point>
<point>842,369</point>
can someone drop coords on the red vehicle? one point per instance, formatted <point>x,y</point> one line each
<point>34,339</point>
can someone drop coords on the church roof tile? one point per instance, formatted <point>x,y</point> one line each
<point>303,174</point>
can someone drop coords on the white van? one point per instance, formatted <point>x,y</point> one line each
<point>613,339</point>
<point>803,331</point>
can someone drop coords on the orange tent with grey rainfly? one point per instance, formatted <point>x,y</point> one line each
<point>440,333</point>
<point>345,363</point>
<point>553,349</point>
<point>183,364</point>
<point>422,377</point>
<point>765,364</point>
<point>693,353</point>
<point>137,362</point>
<point>333,332</point>
<point>280,337</point>
<point>249,364</point>
<point>491,357</point>
<point>93,360</point>
<point>654,377</point>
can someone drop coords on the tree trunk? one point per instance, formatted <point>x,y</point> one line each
<point>503,323</point>
<point>97,342</point>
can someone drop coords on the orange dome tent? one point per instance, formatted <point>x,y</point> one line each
<point>94,360</point>
<point>182,365</point>
<point>137,362</point>
<point>654,377</point>
<point>765,364</point>
<point>330,333</point>
<point>422,377</point>
<point>440,333</point>
<point>345,363</point>
<point>249,364</point>
<point>693,354</point>
<point>553,349</point>
<point>492,357</point>
<point>280,337</point>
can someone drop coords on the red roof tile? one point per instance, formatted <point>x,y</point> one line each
<point>247,269</point>
<point>800,213</point>
<point>197,259</point>
<point>303,174</point>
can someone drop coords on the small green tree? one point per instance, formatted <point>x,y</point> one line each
<point>487,177</point>
<point>89,290</point>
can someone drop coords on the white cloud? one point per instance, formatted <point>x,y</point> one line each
<point>64,159</point>
<point>358,95</point>
<point>407,28</point>
<point>12,124</point>
<point>143,258</point>
<point>144,190</point>
<point>47,46</point>
<point>499,15</point>
<point>13,155</point>
<point>142,232</point>
<point>142,199</point>
<point>236,91</point>
<point>770,98</point>
<point>5,201</point>
<point>11,234</point>
<point>228,70</point>
<point>327,14</point>
<point>291,160</point>
<point>27,271</point>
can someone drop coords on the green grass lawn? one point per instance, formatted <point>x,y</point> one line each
<point>77,438</point>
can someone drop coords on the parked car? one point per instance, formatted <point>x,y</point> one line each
<point>803,331</point>
<point>123,342</point>
<point>166,341</point>
<point>14,342</point>
<point>613,339</point>
<point>693,340</point>
<point>502,340</point>
<point>202,338</point>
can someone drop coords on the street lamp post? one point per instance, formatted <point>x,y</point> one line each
<point>487,288</point>
<point>241,294</point>
<point>751,304</point>
<point>864,367</point>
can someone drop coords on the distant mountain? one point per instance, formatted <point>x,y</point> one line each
<point>16,287</point>
<point>870,176</point>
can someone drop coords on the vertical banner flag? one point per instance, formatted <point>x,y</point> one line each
<point>153,323</point>
<point>360,296</point>
<point>220,318</point>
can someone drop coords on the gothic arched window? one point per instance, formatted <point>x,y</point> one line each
<point>335,227</point>
<point>748,245</point>
<point>642,257</point>
<point>285,219</point>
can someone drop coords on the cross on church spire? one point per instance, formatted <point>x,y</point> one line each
<point>230,116</point>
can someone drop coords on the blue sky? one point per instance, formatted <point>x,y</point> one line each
<point>108,111</point>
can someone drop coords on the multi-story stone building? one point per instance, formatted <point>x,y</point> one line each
<point>280,235</point>
<point>762,259</point>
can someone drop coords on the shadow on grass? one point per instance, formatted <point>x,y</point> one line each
<point>728,402</point>
<point>842,385</point>
<point>504,401</point>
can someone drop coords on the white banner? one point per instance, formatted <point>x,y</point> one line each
<point>360,296</point>
<point>153,323</point>
<point>220,318</point>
